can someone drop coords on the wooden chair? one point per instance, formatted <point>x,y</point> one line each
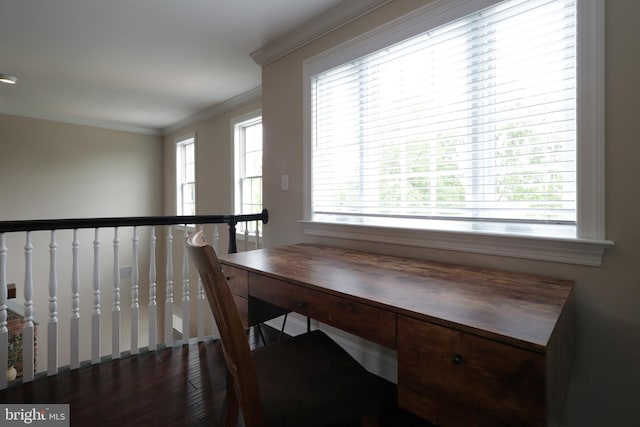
<point>307,380</point>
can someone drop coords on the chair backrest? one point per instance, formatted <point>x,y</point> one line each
<point>235,343</point>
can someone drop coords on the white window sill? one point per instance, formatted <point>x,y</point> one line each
<point>568,250</point>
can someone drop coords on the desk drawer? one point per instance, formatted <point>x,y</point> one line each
<point>360,319</point>
<point>238,280</point>
<point>456,379</point>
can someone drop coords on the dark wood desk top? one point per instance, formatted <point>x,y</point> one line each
<point>518,309</point>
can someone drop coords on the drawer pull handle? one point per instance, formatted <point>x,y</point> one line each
<point>457,359</point>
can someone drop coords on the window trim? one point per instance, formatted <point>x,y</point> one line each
<point>235,161</point>
<point>589,244</point>
<point>178,142</point>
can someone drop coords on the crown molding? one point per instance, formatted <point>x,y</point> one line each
<point>215,110</point>
<point>334,18</point>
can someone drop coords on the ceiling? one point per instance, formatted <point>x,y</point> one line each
<point>146,65</point>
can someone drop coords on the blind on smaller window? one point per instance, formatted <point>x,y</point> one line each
<point>248,174</point>
<point>474,120</point>
<point>251,166</point>
<point>186,177</point>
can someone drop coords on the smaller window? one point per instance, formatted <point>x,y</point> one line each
<point>186,176</point>
<point>247,141</point>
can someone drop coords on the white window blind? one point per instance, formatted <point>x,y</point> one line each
<point>473,120</point>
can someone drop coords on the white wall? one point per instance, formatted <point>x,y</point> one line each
<point>55,170</point>
<point>605,379</point>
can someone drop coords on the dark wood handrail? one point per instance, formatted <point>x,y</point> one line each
<point>73,223</point>
<point>78,223</point>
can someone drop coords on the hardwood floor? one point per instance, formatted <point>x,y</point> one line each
<point>174,387</point>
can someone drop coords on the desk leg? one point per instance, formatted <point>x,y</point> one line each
<point>259,328</point>
<point>284,323</point>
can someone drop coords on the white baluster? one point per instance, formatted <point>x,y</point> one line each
<point>246,236</point>
<point>75,304</point>
<point>186,309</point>
<point>258,234</point>
<point>95,319</point>
<point>216,238</point>
<point>168,312</point>
<point>28,329</point>
<point>135,302</point>
<point>115,320</point>
<point>4,331</point>
<point>52,337</point>
<point>201,304</point>
<point>153,303</point>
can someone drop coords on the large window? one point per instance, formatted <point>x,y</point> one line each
<point>247,141</point>
<point>461,120</point>
<point>185,176</point>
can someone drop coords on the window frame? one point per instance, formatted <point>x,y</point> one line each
<point>237,158</point>
<point>589,243</point>
<point>181,142</point>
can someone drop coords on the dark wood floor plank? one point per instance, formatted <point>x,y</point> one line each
<point>179,386</point>
<point>182,386</point>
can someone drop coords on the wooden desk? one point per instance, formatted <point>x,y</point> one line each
<point>475,346</point>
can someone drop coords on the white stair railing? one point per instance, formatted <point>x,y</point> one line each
<point>4,331</point>
<point>202,300</point>
<point>52,327</point>
<point>28,353</point>
<point>216,238</point>
<point>135,292</point>
<point>115,313</point>
<point>257,234</point>
<point>186,312</point>
<point>168,304</point>
<point>75,304</point>
<point>57,306</point>
<point>153,299</point>
<point>95,317</point>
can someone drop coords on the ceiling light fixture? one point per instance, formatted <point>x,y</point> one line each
<point>7,78</point>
